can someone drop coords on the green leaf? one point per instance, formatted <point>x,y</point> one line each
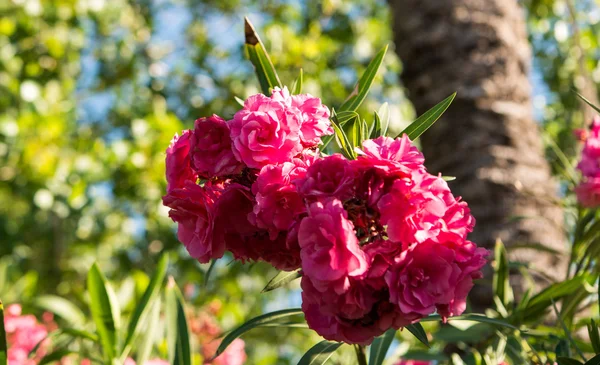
<point>364,132</point>
<point>380,347</point>
<point>361,89</point>
<point>501,284</point>
<point>178,335</point>
<point>567,332</point>
<point>375,127</point>
<point>567,361</point>
<point>3,345</point>
<point>558,290</point>
<point>144,349</point>
<point>61,308</point>
<point>449,178</point>
<point>257,53</point>
<point>342,140</point>
<point>253,323</point>
<point>77,333</point>
<point>297,86</point>
<point>471,317</point>
<point>55,356</point>
<point>104,308</point>
<point>594,335</point>
<point>588,102</point>
<point>319,353</point>
<point>239,101</point>
<point>593,361</point>
<point>384,116</point>
<point>142,307</point>
<point>209,271</point>
<point>417,330</point>
<point>281,279</point>
<point>422,123</point>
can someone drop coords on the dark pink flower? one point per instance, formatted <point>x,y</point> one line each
<point>329,248</point>
<point>193,208</point>
<point>432,276</point>
<point>265,131</point>
<point>178,162</point>
<point>277,201</point>
<point>331,176</point>
<point>211,154</point>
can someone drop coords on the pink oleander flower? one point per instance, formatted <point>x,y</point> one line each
<point>278,203</point>
<point>414,362</point>
<point>23,333</point>
<point>178,162</point>
<point>330,176</point>
<point>234,354</point>
<point>193,208</point>
<point>265,131</point>
<point>329,248</point>
<point>315,121</point>
<point>130,361</point>
<point>432,276</point>
<point>423,208</point>
<point>394,153</point>
<point>588,192</point>
<point>210,146</point>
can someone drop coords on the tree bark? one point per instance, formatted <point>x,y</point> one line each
<point>487,138</point>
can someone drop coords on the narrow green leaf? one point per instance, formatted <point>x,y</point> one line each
<point>144,350</point>
<point>567,361</point>
<point>501,284</point>
<point>375,127</point>
<point>422,123</point>
<point>419,332</point>
<point>3,345</point>
<point>142,307</point>
<point>239,101</point>
<point>297,86</point>
<point>567,332</point>
<point>178,335</point>
<point>253,323</point>
<point>257,53</point>
<point>380,347</point>
<point>343,141</point>
<point>594,335</point>
<point>361,89</point>
<point>471,317</point>
<point>594,360</point>
<point>449,178</point>
<point>77,333</point>
<point>319,353</point>
<point>61,308</point>
<point>209,271</point>
<point>104,308</point>
<point>558,290</point>
<point>282,278</point>
<point>339,119</point>
<point>365,131</point>
<point>588,102</point>
<point>384,116</point>
<point>55,356</point>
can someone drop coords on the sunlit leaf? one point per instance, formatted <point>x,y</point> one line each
<point>281,279</point>
<point>178,333</point>
<point>422,123</point>
<point>104,308</point>
<point>380,347</point>
<point>3,345</point>
<point>419,332</point>
<point>364,83</point>
<point>61,308</point>
<point>501,284</point>
<point>297,86</point>
<point>319,353</point>
<point>253,323</point>
<point>257,53</point>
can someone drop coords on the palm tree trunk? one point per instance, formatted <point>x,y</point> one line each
<point>488,138</point>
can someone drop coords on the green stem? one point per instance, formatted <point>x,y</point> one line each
<point>361,354</point>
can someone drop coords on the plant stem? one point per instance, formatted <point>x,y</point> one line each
<point>361,354</point>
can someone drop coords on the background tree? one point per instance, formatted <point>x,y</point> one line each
<point>488,139</point>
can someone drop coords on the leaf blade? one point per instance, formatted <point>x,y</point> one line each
<point>282,278</point>
<point>3,345</point>
<point>319,353</point>
<point>178,335</point>
<point>257,53</point>
<point>103,309</point>
<point>380,347</point>
<point>427,119</point>
<point>361,89</point>
<point>419,332</point>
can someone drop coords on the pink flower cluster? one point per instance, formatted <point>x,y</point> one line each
<point>380,241</point>
<point>24,333</point>
<point>588,190</point>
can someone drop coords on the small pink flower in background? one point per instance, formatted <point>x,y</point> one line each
<point>178,167</point>
<point>588,193</point>
<point>210,146</point>
<point>265,131</point>
<point>588,190</point>
<point>415,362</point>
<point>23,333</point>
